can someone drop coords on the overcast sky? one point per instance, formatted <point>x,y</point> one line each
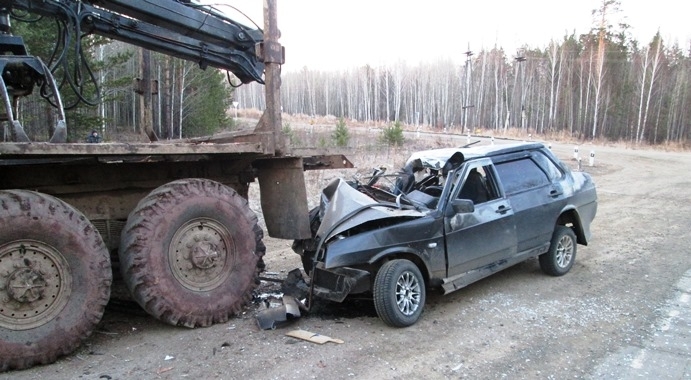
<point>339,34</point>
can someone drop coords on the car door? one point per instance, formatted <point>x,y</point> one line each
<point>536,197</point>
<point>486,235</point>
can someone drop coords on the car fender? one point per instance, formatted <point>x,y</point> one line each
<point>402,253</point>
<point>394,251</point>
<point>570,214</point>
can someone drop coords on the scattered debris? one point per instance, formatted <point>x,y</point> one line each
<point>312,337</point>
<point>168,357</point>
<point>164,370</point>
<point>284,306</point>
<point>269,318</point>
<point>105,332</point>
<point>295,285</point>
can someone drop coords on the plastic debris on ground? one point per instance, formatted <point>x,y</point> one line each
<point>281,309</point>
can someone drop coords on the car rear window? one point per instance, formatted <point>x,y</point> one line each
<point>521,175</point>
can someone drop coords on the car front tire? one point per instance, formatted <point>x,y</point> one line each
<point>399,293</point>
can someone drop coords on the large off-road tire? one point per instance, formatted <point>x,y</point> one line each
<point>562,252</point>
<point>55,278</point>
<point>191,252</point>
<point>399,293</point>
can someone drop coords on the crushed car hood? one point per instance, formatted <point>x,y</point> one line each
<point>343,207</point>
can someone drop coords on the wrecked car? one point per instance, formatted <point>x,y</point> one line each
<point>452,217</point>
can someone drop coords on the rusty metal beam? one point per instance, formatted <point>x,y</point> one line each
<point>283,197</point>
<point>24,150</point>
<point>327,161</point>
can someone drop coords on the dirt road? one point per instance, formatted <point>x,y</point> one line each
<point>518,324</point>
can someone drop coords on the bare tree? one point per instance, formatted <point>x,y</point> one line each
<point>657,41</point>
<point>555,79</point>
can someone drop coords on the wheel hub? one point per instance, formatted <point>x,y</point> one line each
<point>564,252</point>
<point>407,294</point>
<point>26,285</point>
<point>204,255</point>
<point>201,254</point>
<point>35,284</point>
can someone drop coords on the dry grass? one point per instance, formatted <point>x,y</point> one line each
<point>327,123</point>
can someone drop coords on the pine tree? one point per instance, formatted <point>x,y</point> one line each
<point>207,101</point>
<point>341,136</point>
<point>393,135</point>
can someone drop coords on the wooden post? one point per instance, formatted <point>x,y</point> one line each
<point>271,52</point>
<point>146,116</point>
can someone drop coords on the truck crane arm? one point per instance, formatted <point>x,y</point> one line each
<point>177,28</point>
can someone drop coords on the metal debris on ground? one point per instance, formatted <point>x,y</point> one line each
<point>295,285</point>
<point>272,317</point>
<point>280,308</point>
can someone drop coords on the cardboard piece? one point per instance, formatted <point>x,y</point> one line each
<point>312,337</point>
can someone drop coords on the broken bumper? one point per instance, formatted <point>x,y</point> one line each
<point>335,284</point>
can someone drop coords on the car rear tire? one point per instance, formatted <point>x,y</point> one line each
<point>191,253</point>
<point>399,293</point>
<point>562,252</point>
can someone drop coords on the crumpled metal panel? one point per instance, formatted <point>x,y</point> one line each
<point>433,159</point>
<point>339,200</point>
<point>336,284</point>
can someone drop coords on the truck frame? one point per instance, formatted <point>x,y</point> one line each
<point>170,220</point>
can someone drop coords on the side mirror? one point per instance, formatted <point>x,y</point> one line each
<point>460,206</point>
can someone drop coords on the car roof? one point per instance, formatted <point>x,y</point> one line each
<point>436,158</point>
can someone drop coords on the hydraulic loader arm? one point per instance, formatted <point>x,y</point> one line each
<point>173,27</point>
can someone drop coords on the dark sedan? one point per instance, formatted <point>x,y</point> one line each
<point>450,218</point>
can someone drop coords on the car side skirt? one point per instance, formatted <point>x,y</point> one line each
<point>462,280</point>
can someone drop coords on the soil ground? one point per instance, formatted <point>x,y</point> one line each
<point>518,324</point>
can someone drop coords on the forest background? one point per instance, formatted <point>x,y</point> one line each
<point>599,85</point>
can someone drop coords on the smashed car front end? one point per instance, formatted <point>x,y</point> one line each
<point>357,231</point>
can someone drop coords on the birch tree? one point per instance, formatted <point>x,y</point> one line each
<point>655,64</point>
<point>555,78</point>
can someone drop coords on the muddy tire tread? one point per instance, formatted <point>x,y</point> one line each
<point>136,258</point>
<point>29,204</point>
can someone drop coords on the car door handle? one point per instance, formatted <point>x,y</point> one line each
<point>555,193</point>
<point>502,209</point>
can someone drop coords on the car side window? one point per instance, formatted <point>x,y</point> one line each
<point>552,170</point>
<point>520,175</point>
<point>477,186</point>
